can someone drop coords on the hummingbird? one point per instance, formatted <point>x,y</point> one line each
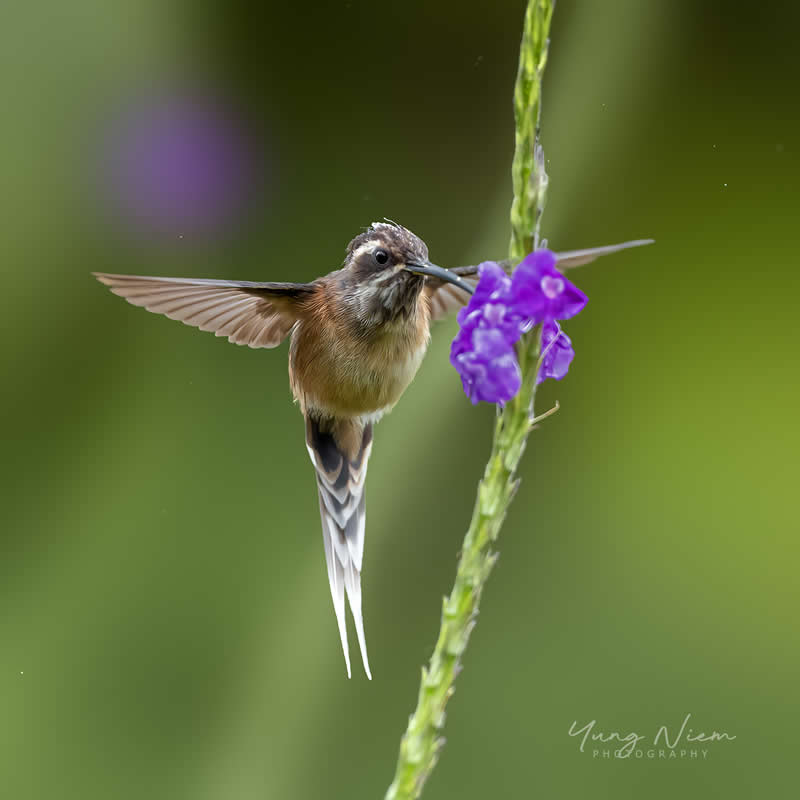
<point>357,338</point>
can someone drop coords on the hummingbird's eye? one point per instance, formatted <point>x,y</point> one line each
<point>381,256</point>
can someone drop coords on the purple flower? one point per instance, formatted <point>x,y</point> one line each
<point>543,292</point>
<point>492,305</point>
<point>488,366</point>
<point>483,351</point>
<point>499,312</point>
<point>557,352</point>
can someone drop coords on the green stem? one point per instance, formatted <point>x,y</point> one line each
<point>527,169</point>
<point>421,742</point>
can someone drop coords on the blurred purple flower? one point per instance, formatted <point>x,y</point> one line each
<point>179,164</point>
<point>557,353</point>
<point>499,312</point>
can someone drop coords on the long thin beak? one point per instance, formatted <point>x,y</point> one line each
<point>441,273</point>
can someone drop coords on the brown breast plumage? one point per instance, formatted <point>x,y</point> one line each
<point>340,367</point>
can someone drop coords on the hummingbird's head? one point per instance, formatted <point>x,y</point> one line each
<point>382,252</point>
<point>385,270</point>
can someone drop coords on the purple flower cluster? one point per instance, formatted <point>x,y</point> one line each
<point>497,315</point>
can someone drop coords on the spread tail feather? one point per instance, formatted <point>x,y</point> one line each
<point>339,451</point>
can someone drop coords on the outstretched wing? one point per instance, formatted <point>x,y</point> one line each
<point>445,298</point>
<point>255,314</point>
<point>577,258</point>
<point>340,451</point>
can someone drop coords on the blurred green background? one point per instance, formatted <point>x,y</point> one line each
<point>166,629</point>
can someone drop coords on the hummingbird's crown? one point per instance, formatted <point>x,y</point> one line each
<point>402,245</point>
